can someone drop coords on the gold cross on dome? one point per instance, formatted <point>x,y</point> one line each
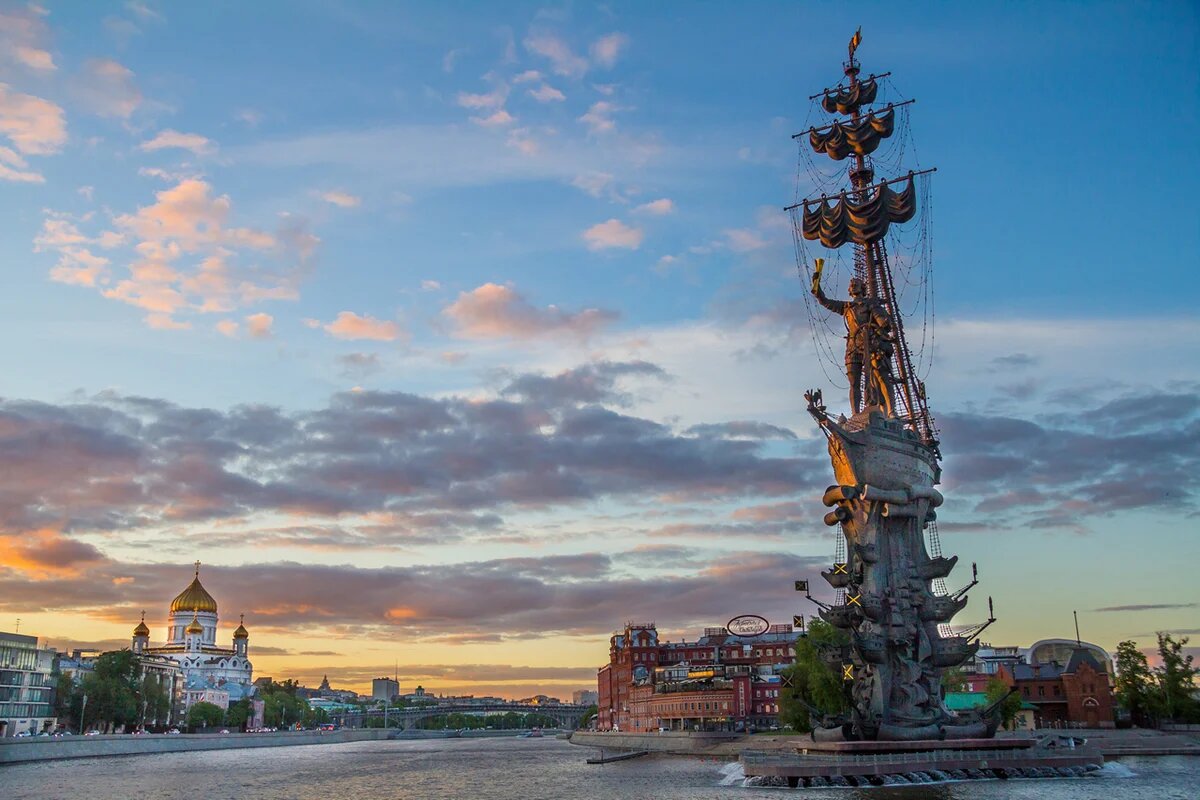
<point>197,569</point>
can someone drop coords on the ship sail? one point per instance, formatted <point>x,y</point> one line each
<point>850,99</point>
<point>861,138</point>
<point>861,223</point>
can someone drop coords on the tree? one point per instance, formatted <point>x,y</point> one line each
<point>813,682</point>
<point>588,715</point>
<point>156,701</point>
<point>237,714</point>
<point>65,693</point>
<point>1177,680</point>
<point>1011,706</point>
<point>205,715</point>
<point>954,680</point>
<point>112,690</point>
<point>1135,685</point>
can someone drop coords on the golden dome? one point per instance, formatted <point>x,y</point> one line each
<point>194,626</point>
<point>195,597</point>
<point>241,632</point>
<point>141,629</point>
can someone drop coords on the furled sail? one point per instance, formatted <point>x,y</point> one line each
<point>861,223</point>
<point>849,99</point>
<point>841,140</point>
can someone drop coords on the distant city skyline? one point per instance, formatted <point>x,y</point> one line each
<point>457,337</point>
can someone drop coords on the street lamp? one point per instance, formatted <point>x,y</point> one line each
<point>82,709</point>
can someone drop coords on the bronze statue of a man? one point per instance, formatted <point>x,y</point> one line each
<point>868,342</point>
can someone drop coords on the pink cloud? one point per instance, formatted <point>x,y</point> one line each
<point>349,325</point>
<point>613,233</point>
<point>341,199</point>
<point>660,207</point>
<point>33,125</point>
<point>547,94</point>
<point>106,88</point>
<point>498,119</point>
<point>606,49</point>
<point>194,142</point>
<point>259,325</point>
<point>560,55</point>
<point>492,310</point>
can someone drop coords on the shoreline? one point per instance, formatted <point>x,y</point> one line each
<point>1112,743</point>
<point>34,749</point>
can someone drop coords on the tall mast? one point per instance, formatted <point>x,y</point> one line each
<point>863,133</point>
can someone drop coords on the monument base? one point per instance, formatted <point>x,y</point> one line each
<point>921,761</point>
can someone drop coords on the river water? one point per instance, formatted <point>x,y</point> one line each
<point>499,769</point>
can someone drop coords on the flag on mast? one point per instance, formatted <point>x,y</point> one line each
<point>855,41</point>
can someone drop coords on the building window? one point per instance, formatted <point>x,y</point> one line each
<point>1041,691</point>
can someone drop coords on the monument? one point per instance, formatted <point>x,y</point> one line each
<point>888,576</point>
<point>890,597</point>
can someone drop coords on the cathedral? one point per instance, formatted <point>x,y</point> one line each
<point>211,673</point>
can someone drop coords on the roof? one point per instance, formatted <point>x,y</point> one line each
<point>1037,672</point>
<point>195,597</point>
<point>1083,656</point>
<point>965,701</point>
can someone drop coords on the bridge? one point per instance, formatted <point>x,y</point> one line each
<point>565,715</point>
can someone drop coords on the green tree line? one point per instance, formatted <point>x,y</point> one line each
<point>1163,694</point>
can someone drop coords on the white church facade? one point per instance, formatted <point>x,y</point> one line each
<point>212,673</point>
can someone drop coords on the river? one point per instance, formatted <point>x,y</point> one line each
<point>499,769</point>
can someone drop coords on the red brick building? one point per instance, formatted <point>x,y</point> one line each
<point>718,682</point>
<point>1077,695</point>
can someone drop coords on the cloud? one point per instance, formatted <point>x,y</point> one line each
<point>169,138</point>
<point>492,310</point>
<point>349,325</point>
<point>258,326</point>
<point>491,100</point>
<point>227,327</point>
<point>526,598</point>
<point>613,233</point>
<point>1147,607</point>
<point>744,240</point>
<point>13,168</point>
<point>606,49</point>
<point>451,58</point>
<point>34,126</point>
<point>563,61</point>
<point>106,88</point>
<point>183,256</point>
<point>594,183</point>
<point>35,58</point>
<point>660,207</point>
<point>341,199</point>
<point>594,383</point>
<point>599,117</point>
<point>359,365</point>
<point>547,94</point>
<point>499,118</point>
<point>744,429</point>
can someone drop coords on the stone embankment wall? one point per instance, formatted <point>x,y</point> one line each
<point>14,751</point>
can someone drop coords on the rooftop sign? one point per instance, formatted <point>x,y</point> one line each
<point>748,625</point>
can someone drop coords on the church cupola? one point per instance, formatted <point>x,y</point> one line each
<point>194,633</point>
<point>141,636</point>
<point>241,637</point>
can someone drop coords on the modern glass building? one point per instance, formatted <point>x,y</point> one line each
<point>26,685</point>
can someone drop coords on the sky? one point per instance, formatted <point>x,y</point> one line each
<point>449,338</point>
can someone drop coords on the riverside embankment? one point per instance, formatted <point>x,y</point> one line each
<point>1112,743</point>
<point>15,751</point>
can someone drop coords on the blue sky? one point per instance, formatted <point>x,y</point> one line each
<point>288,205</point>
